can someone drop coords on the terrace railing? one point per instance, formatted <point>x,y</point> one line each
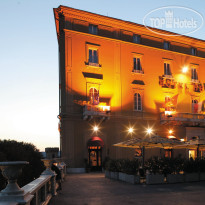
<point>183,118</point>
<point>37,192</point>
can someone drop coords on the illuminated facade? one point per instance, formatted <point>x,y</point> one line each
<point>115,75</point>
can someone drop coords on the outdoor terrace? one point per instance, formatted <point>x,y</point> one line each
<point>186,119</point>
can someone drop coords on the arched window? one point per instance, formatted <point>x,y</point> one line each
<point>94,96</point>
<point>194,106</point>
<point>137,102</point>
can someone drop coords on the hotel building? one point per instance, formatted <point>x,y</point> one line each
<point>115,74</point>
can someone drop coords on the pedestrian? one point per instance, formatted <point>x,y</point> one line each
<point>58,174</point>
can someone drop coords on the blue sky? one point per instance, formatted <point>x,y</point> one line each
<point>29,60</point>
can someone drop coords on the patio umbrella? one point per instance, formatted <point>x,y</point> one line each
<point>150,142</point>
<point>154,141</point>
<point>198,144</point>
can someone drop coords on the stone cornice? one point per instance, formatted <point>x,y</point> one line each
<point>126,25</point>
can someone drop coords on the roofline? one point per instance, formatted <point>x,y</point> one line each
<point>156,33</point>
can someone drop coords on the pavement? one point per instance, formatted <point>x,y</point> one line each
<point>95,189</point>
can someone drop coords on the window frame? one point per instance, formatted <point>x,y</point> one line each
<point>194,102</point>
<point>170,73</point>
<point>137,101</point>
<point>93,29</point>
<point>137,56</point>
<point>167,69</point>
<point>167,45</point>
<point>193,51</point>
<point>92,102</point>
<point>136,38</point>
<point>94,48</point>
<point>194,73</point>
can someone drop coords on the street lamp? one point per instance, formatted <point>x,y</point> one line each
<point>95,128</point>
<point>170,131</point>
<point>149,131</point>
<point>184,69</point>
<point>130,130</point>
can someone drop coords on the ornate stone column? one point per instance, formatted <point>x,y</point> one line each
<point>13,193</point>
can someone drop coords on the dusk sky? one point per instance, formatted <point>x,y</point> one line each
<point>29,60</point>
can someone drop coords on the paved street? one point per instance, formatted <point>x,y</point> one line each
<point>95,189</point>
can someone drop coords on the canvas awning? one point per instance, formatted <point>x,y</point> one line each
<point>95,141</point>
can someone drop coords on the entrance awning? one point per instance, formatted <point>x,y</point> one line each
<point>95,141</point>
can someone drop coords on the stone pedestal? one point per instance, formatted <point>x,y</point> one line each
<point>48,171</point>
<point>12,192</point>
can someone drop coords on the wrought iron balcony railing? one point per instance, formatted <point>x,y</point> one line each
<point>90,111</point>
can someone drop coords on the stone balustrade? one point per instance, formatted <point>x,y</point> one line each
<point>37,192</point>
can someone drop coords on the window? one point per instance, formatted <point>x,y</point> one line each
<point>136,38</point>
<point>168,153</point>
<point>193,51</point>
<point>195,106</point>
<point>137,64</point>
<point>137,102</point>
<point>94,96</point>
<point>192,154</point>
<point>93,56</point>
<point>167,103</point>
<point>93,29</point>
<point>194,75</point>
<point>167,45</point>
<point>167,69</point>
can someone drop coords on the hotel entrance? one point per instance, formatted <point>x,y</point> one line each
<point>95,146</point>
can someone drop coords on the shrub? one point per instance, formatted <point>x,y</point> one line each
<point>165,165</point>
<point>191,166</point>
<point>130,166</point>
<point>153,165</point>
<point>202,165</point>
<point>11,150</point>
<point>122,165</point>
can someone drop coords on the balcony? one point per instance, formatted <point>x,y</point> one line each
<point>138,71</point>
<point>99,111</point>
<point>197,86</point>
<point>167,81</point>
<point>185,119</point>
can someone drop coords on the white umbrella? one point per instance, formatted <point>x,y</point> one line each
<point>150,142</point>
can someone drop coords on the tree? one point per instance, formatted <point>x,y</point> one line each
<point>11,150</point>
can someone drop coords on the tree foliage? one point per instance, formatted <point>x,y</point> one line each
<point>11,150</point>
